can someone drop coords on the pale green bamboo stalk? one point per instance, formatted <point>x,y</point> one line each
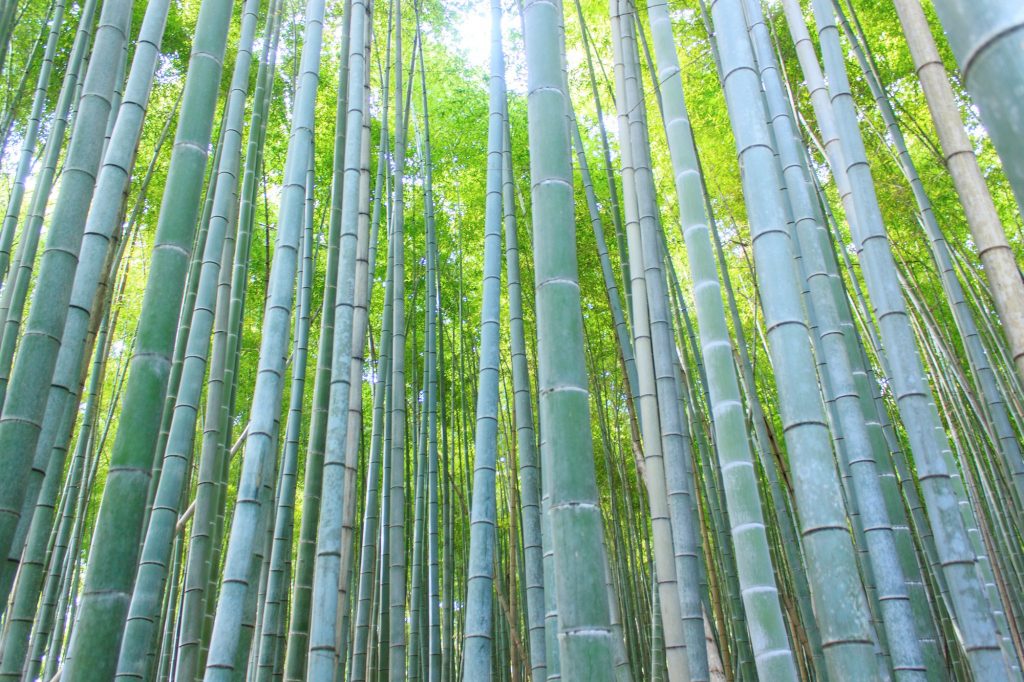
<point>247,527</point>
<point>52,453</point>
<point>567,453</point>
<point>731,435</point>
<point>434,640</point>
<point>654,445</point>
<point>359,666</point>
<point>75,500</point>
<point>417,573</point>
<point>840,388</point>
<point>990,239</point>
<point>276,601</point>
<point>228,311</point>
<point>526,439</point>
<point>184,324</point>
<point>67,603</point>
<point>611,287</point>
<point>328,576</point>
<point>222,437</point>
<point>478,634</point>
<point>995,403</point>
<point>19,632</point>
<point>360,321</point>
<point>95,106</point>
<point>12,490</point>
<point>379,647</point>
<point>645,246</point>
<point>8,22</point>
<point>64,558</point>
<point>984,37</point>
<point>169,621</point>
<point>613,194</point>
<point>246,657</point>
<point>540,545</point>
<point>396,480</point>
<point>302,585</point>
<point>840,605</point>
<point>150,584</point>
<point>298,628</point>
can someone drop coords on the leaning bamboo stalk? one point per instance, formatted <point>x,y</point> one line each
<point>271,632</point>
<point>928,441</point>
<point>984,37</point>
<point>360,323</point>
<point>248,519</point>
<point>20,632</point>
<point>120,513</point>
<point>654,445</point>
<point>95,110</point>
<point>839,381</point>
<point>715,344</point>
<point>302,584</point>
<point>675,436</point>
<point>995,403</point>
<point>151,581</point>
<point>1005,283</point>
<point>373,508</point>
<point>11,489</point>
<point>214,450</point>
<point>842,612</point>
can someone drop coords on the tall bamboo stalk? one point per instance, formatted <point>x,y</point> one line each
<point>396,532</point>
<point>328,575</point>
<point>567,461</point>
<point>247,525</point>
<point>478,651</point>
<point>218,249</point>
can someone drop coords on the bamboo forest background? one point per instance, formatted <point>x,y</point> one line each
<point>546,339</point>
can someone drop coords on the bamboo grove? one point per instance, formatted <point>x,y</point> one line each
<point>413,340</point>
